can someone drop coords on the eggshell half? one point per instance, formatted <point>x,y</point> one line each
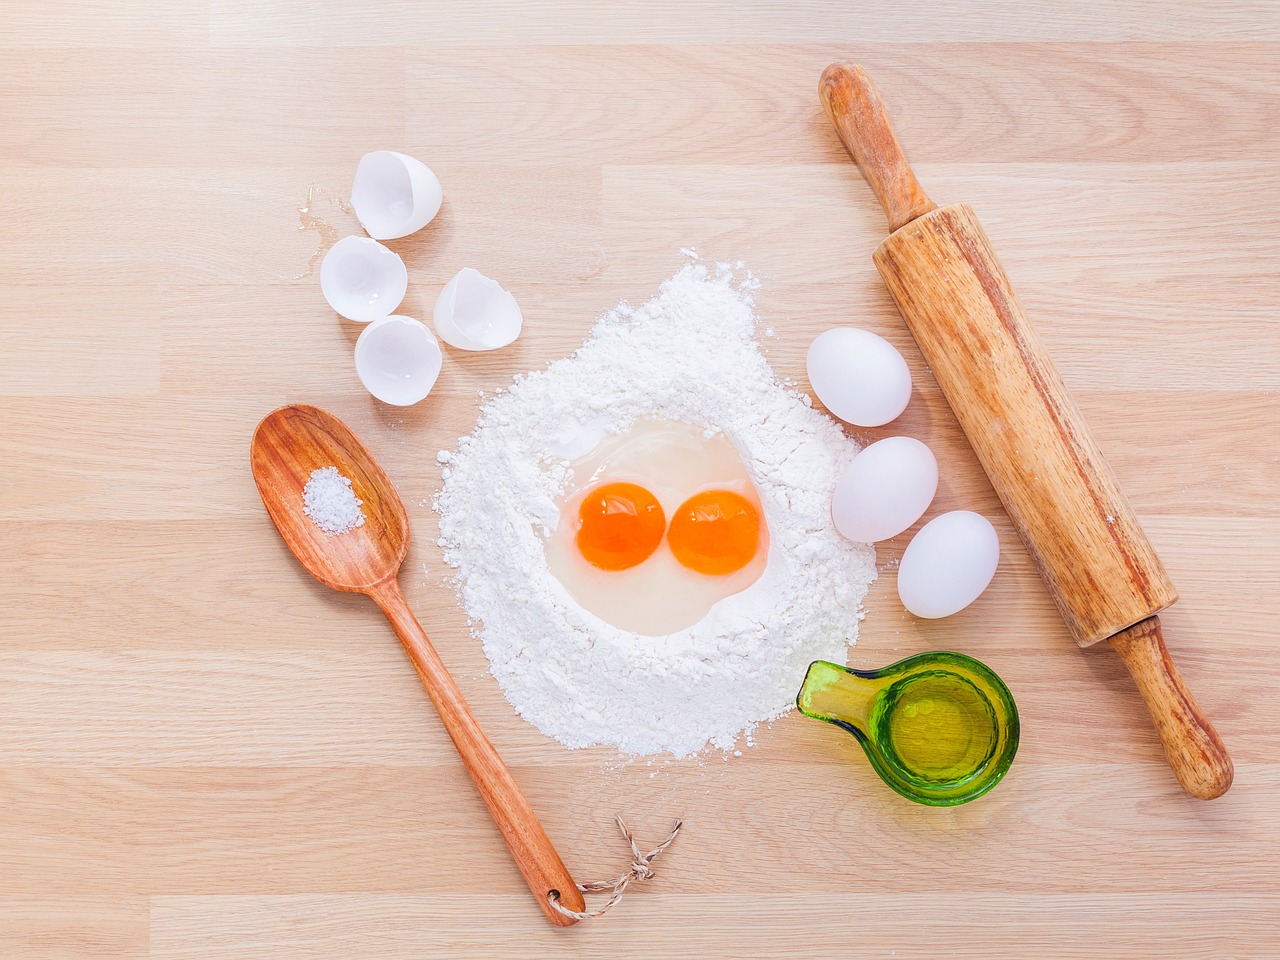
<point>394,195</point>
<point>475,313</point>
<point>363,280</point>
<point>398,360</point>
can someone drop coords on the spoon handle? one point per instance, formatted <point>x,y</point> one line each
<point>537,859</point>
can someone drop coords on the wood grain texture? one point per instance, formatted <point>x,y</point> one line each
<point>204,753</point>
<point>856,111</point>
<point>1191,745</point>
<point>1025,428</point>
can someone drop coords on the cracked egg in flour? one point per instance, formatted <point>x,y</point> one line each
<point>658,523</point>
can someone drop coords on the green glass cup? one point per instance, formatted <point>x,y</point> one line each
<point>939,728</point>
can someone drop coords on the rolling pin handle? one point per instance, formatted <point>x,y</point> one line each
<point>858,114</point>
<point>1191,745</point>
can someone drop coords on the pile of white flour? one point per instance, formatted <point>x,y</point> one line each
<point>689,354</point>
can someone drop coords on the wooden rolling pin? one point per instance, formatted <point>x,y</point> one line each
<point>1031,439</point>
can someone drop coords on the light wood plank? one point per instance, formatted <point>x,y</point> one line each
<point>513,22</point>
<point>1130,227</point>
<point>115,106</point>
<point>992,926</point>
<point>339,691</point>
<point>44,927</point>
<point>47,342</point>
<point>203,753</point>
<point>166,226</point>
<point>951,102</point>
<point>82,24</point>
<point>273,831</point>
<point>1223,436</point>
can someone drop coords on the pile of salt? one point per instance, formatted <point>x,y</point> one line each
<point>331,503</point>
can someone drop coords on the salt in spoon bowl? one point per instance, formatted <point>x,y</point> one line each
<point>287,446</point>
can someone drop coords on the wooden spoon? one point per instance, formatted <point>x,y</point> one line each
<point>287,446</point>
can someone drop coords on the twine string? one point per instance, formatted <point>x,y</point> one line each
<point>641,870</point>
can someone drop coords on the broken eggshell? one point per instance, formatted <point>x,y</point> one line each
<point>394,195</point>
<point>363,280</point>
<point>398,360</point>
<point>475,313</point>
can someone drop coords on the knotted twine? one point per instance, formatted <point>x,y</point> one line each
<point>641,870</point>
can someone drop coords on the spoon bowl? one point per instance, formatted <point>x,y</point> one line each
<point>287,446</point>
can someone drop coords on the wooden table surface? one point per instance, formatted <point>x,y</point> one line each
<point>204,753</point>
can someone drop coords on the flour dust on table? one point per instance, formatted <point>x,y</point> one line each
<point>688,357</point>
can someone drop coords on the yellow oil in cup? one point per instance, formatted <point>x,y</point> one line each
<point>939,728</point>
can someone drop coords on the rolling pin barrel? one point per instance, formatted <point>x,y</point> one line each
<point>1028,434</point>
<point>1015,410</point>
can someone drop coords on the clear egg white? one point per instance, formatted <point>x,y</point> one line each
<point>673,461</point>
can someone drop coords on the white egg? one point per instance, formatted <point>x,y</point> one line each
<point>948,564</point>
<point>858,376</point>
<point>885,489</point>
<point>398,360</point>
<point>363,280</point>
<point>475,313</point>
<point>394,195</point>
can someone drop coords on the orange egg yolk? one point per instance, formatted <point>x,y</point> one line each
<point>715,532</point>
<point>620,525</point>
